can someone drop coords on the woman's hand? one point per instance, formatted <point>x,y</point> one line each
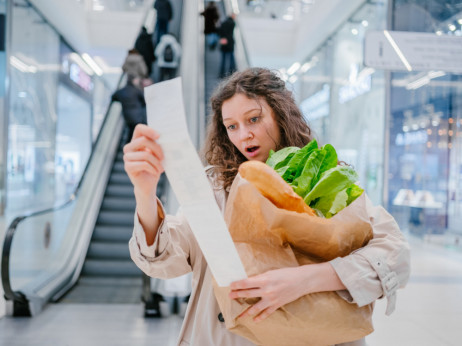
<point>142,160</point>
<point>282,286</point>
<point>143,163</point>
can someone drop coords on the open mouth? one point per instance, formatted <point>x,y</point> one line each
<point>252,149</point>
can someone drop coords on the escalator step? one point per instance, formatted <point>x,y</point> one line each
<point>119,203</point>
<point>118,167</point>
<point>120,190</point>
<point>112,233</point>
<point>120,178</point>
<point>108,251</point>
<point>105,290</point>
<point>117,218</point>
<point>110,268</point>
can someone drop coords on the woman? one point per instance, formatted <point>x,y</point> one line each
<point>253,113</point>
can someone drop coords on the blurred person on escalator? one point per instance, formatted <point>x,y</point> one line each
<point>131,98</point>
<point>211,18</point>
<point>134,65</point>
<point>164,14</point>
<point>145,47</point>
<point>168,53</point>
<point>226,32</point>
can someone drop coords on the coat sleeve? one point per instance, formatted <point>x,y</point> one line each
<point>378,269</point>
<point>171,254</point>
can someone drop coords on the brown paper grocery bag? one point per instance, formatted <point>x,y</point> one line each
<point>267,238</point>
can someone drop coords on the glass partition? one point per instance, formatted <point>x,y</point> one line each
<point>73,141</point>
<point>56,107</point>
<point>344,101</point>
<point>41,248</point>
<point>425,177</point>
<point>31,137</point>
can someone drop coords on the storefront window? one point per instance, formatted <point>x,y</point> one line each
<point>344,101</point>
<point>34,70</point>
<point>73,142</point>
<point>54,113</point>
<point>425,172</point>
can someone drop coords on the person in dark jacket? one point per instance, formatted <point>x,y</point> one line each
<point>145,47</point>
<point>211,18</point>
<point>226,32</point>
<point>133,105</point>
<point>164,16</point>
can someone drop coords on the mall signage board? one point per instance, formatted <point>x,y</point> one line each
<point>412,51</point>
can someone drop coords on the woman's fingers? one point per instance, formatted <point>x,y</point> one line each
<point>142,130</point>
<point>252,282</point>
<point>260,310</point>
<point>141,166</point>
<point>248,293</point>
<point>145,157</point>
<point>143,144</point>
<point>265,313</point>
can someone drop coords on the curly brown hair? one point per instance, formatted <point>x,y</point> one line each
<point>255,83</point>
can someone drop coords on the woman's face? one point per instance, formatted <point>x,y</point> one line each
<point>251,126</point>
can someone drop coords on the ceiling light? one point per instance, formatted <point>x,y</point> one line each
<point>293,79</point>
<point>305,67</point>
<point>94,66</point>
<point>452,27</point>
<point>354,31</point>
<point>294,68</point>
<point>397,50</point>
<point>365,23</point>
<point>420,82</point>
<point>436,74</point>
<point>21,65</point>
<point>82,64</point>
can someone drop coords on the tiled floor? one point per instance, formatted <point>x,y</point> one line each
<point>429,309</point>
<point>90,325</point>
<point>428,313</point>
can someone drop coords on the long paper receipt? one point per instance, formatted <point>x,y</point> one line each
<point>184,170</point>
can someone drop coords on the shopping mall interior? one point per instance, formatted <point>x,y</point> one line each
<point>376,79</point>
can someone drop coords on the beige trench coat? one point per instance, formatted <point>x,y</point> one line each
<point>369,273</point>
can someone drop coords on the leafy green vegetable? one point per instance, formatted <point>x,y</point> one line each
<point>314,175</point>
<point>279,160</point>
<point>298,159</point>
<point>319,161</point>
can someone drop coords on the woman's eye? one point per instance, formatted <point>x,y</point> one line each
<point>254,119</point>
<point>231,127</point>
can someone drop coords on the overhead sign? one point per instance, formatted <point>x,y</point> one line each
<point>412,51</point>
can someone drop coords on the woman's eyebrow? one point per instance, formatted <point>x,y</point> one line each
<point>246,112</point>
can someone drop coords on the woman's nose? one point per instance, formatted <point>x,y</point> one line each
<point>246,134</point>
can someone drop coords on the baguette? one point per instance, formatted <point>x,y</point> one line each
<point>273,187</point>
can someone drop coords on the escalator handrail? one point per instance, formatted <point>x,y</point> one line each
<point>11,230</point>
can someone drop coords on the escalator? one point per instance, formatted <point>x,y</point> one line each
<point>86,258</point>
<point>78,252</point>
<point>108,274</point>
